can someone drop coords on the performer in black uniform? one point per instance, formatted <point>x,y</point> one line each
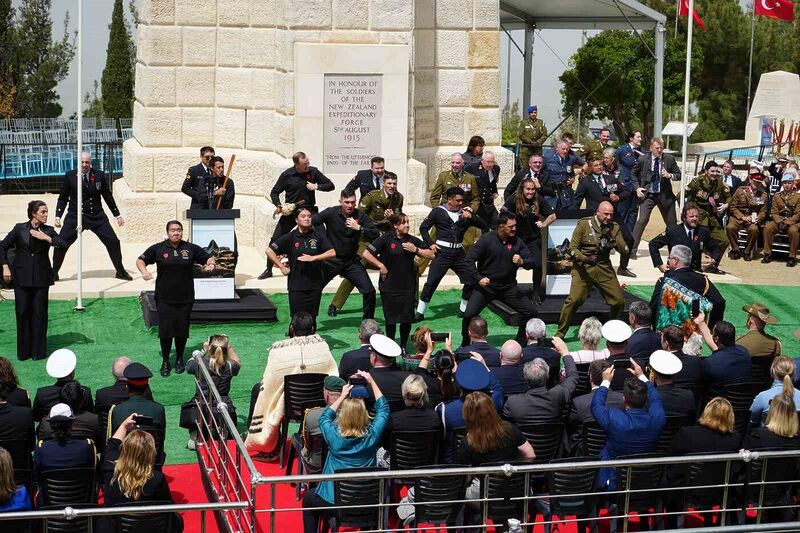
<point>299,184</point>
<point>213,188</point>
<point>393,254</point>
<point>95,185</point>
<point>174,259</point>
<point>498,255</point>
<point>31,276</point>
<point>451,222</point>
<point>195,184</point>
<point>532,214</point>
<point>344,226</point>
<point>487,173</point>
<point>305,249</point>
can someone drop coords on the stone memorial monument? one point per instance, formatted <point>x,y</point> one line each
<point>777,96</point>
<point>341,80</point>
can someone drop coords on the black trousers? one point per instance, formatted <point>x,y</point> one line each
<point>97,224</point>
<point>624,259</point>
<point>307,301</point>
<point>535,246</point>
<point>512,296</point>
<point>353,271</point>
<point>284,226</point>
<point>447,259</point>
<point>31,307</point>
<point>312,513</point>
<point>488,212</point>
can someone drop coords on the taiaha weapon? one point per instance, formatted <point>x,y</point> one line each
<point>227,175</point>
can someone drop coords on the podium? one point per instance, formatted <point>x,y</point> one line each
<point>214,227</point>
<point>556,267</point>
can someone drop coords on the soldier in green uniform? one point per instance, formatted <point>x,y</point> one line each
<point>713,197</point>
<point>137,377</point>
<point>379,205</point>
<point>748,211</point>
<point>594,148</point>
<point>533,133</point>
<point>785,217</point>
<point>758,342</point>
<point>590,248</point>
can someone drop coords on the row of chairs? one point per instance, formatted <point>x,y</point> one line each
<point>29,160</point>
<point>41,124</point>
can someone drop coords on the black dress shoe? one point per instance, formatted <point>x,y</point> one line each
<point>734,254</point>
<point>266,274</point>
<point>747,257</point>
<point>791,262</point>
<point>626,272</point>
<point>55,276</point>
<point>179,366</point>
<point>767,259</point>
<point>460,314</point>
<point>332,311</point>
<point>418,317</point>
<point>123,275</point>
<point>165,369</point>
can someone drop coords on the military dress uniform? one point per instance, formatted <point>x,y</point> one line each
<point>593,150</point>
<point>374,204</point>
<point>785,217</point>
<point>534,133</point>
<point>137,374</point>
<point>195,186</point>
<point>590,248</point>
<point>748,211</point>
<point>708,193</point>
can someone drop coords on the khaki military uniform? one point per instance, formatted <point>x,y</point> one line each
<point>760,344</point>
<point>593,150</point>
<point>374,204</point>
<point>708,194</point>
<point>590,249</point>
<point>532,132</point>
<point>785,217</point>
<point>746,205</point>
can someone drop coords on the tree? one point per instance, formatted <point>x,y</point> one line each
<point>8,70</point>
<point>43,62</point>
<point>511,122</point>
<point>93,104</point>
<point>117,80</point>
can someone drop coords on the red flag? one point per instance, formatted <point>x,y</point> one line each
<point>777,9</point>
<point>697,20</point>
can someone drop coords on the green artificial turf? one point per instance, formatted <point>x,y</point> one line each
<point>114,326</point>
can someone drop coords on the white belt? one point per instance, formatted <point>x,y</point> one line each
<point>445,244</point>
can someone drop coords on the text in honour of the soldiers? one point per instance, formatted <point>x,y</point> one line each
<point>352,121</point>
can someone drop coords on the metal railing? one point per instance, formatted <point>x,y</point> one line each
<point>741,157</point>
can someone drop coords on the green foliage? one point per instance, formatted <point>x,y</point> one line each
<point>42,61</point>
<point>117,80</point>
<point>511,122</point>
<point>93,103</point>
<point>8,70</point>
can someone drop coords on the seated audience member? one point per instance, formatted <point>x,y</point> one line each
<point>691,372</point>
<point>757,341</point>
<point>312,459</point>
<point>510,372</point>
<point>358,359</point>
<point>129,475</point>
<point>581,411</point>
<point>783,373</point>
<point>419,338</point>
<point>643,341</point>
<point>61,366</point>
<point>62,451</point>
<point>304,352</point>
<point>444,368</point>
<point>728,363</point>
<point>15,422</point>
<point>632,430</point>
<point>418,414</point>
<point>780,429</point>
<point>616,333</point>
<point>589,334</point>
<point>539,405</point>
<point>383,353</point>
<point>107,397</point>
<point>538,344</point>
<point>12,497</point>
<point>138,383</point>
<point>85,424</point>
<point>694,346</point>
<point>676,401</point>
<point>478,331</point>
<point>8,377</point>
<point>352,441</point>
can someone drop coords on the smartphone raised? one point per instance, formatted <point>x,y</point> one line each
<point>621,363</point>
<point>142,420</point>
<point>695,307</point>
<point>439,337</point>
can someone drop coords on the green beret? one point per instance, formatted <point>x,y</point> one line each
<point>333,383</point>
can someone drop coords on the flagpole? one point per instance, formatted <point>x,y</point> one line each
<point>78,173</point>
<point>677,16</point>
<point>750,69</point>
<point>686,87</point>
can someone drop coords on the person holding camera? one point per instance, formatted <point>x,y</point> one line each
<point>151,414</point>
<point>590,248</point>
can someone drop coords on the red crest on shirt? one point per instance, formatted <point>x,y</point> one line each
<point>394,245</point>
<point>297,245</point>
<point>508,246</point>
<point>696,237</point>
<point>166,255</point>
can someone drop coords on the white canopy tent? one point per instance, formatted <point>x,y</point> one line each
<point>531,15</point>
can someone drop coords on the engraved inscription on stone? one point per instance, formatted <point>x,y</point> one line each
<point>351,121</point>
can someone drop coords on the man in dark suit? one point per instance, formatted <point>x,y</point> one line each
<point>540,346</point>
<point>679,261</point>
<point>581,411</point>
<point>368,180</point>
<point>117,393</point>
<point>216,189</point>
<point>643,341</point>
<point>487,173</point>
<point>195,184</point>
<point>95,185</point>
<point>61,366</point>
<point>535,171</point>
<point>138,377</point>
<point>358,359</point>
<point>510,372</point>
<point>540,405</point>
<point>652,177</point>
<point>478,331</point>
<point>616,333</point>
<point>627,156</point>
<point>729,363</point>
<point>691,372</point>
<point>677,401</point>
<point>729,178</point>
<point>385,372</point>
<point>689,233</point>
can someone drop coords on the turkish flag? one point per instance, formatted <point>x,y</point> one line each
<point>697,20</point>
<point>777,9</point>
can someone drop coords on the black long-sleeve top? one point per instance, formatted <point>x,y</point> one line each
<point>493,257</point>
<point>343,239</point>
<point>94,187</point>
<point>293,183</point>
<point>446,229</point>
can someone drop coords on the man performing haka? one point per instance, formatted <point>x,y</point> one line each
<point>590,247</point>
<point>299,183</point>
<point>451,223</point>
<point>498,255</point>
<point>344,226</point>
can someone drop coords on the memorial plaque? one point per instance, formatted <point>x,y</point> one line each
<point>351,121</point>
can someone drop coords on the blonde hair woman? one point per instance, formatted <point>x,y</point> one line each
<point>783,372</point>
<point>714,432</point>
<point>780,429</point>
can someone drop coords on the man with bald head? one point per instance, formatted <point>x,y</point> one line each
<point>107,397</point>
<point>487,172</point>
<point>592,241</point>
<point>509,373</point>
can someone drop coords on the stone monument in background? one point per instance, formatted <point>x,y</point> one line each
<point>341,80</point>
<point>777,96</point>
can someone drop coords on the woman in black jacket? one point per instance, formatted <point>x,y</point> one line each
<point>31,276</point>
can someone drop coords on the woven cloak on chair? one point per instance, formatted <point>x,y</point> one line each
<point>675,306</point>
